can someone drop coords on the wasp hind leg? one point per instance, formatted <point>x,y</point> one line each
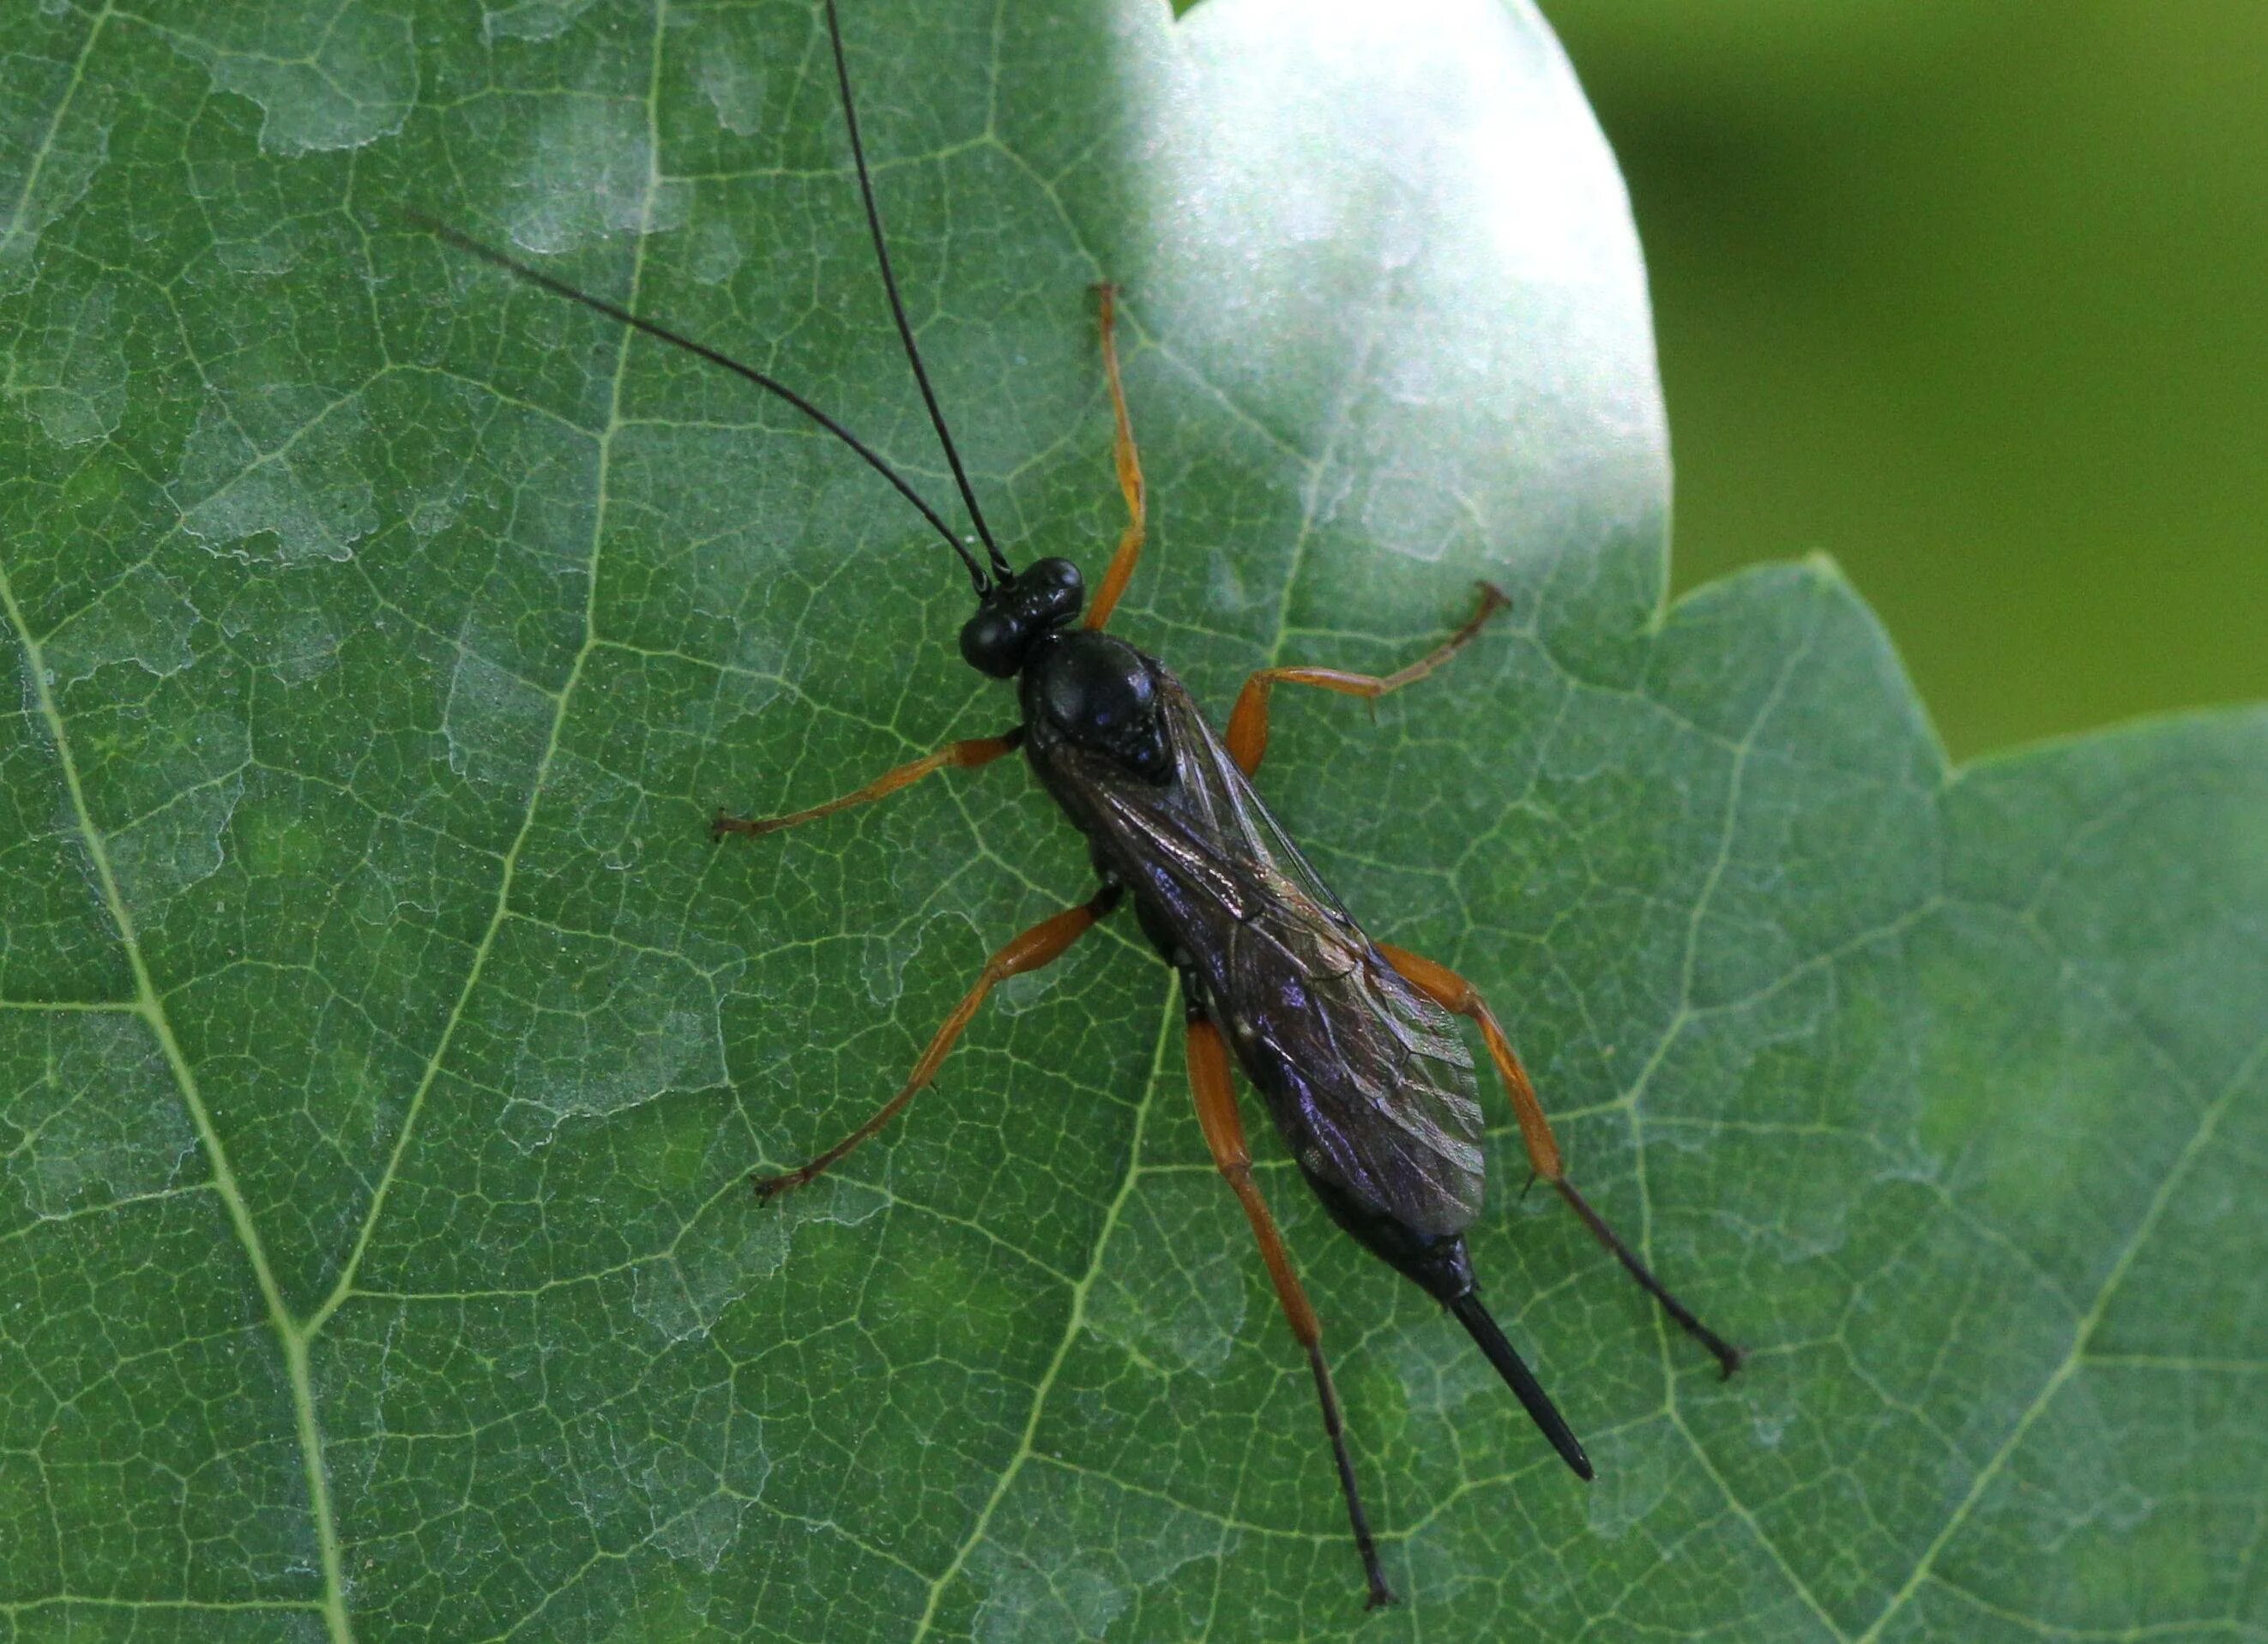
<point>1128,461</point>
<point>966,755</point>
<point>1452,992</point>
<point>1247,722</point>
<point>1042,945</point>
<point>1224,1135</point>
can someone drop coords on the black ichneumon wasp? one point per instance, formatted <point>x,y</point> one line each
<point>1350,1042</point>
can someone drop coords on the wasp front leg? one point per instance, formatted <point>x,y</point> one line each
<point>1452,992</point>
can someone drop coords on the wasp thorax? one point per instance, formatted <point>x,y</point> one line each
<point>1037,600</point>
<point>1098,692</point>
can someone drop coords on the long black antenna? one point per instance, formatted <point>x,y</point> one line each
<point>636,322</point>
<point>897,306</point>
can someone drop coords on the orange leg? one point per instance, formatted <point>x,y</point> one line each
<point>1043,944</point>
<point>1248,723</point>
<point>957,755</point>
<point>1130,473</point>
<point>1453,992</point>
<point>1224,1135</point>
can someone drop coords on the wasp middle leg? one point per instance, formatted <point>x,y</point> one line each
<point>1043,944</point>
<point>1452,992</point>
<point>965,755</point>
<point>1224,1135</point>
<point>1247,722</point>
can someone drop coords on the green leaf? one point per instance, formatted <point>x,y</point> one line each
<point>384,1045</point>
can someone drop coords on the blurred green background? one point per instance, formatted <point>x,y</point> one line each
<point>1971,296</point>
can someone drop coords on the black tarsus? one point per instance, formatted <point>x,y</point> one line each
<point>1335,1425</point>
<point>897,306</point>
<point>1728,1357</point>
<point>615,311</point>
<point>1483,1329</point>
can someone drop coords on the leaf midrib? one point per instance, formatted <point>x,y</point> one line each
<point>150,1008</point>
<point>295,1338</point>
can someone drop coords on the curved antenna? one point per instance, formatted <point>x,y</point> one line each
<point>897,306</point>
<point>615,311</point>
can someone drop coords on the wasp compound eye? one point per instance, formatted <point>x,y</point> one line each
<point>994,642</point>
<point>1057,591</point>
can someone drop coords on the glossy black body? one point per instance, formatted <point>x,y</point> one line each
<point>1366,1079</point>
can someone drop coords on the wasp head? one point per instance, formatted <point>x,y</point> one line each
<point>1019,610</point>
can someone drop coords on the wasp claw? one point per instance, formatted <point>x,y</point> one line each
<point>770,1187</point>
<point>725,822</point>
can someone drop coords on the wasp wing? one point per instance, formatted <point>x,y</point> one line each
<point>1366,1079</point>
